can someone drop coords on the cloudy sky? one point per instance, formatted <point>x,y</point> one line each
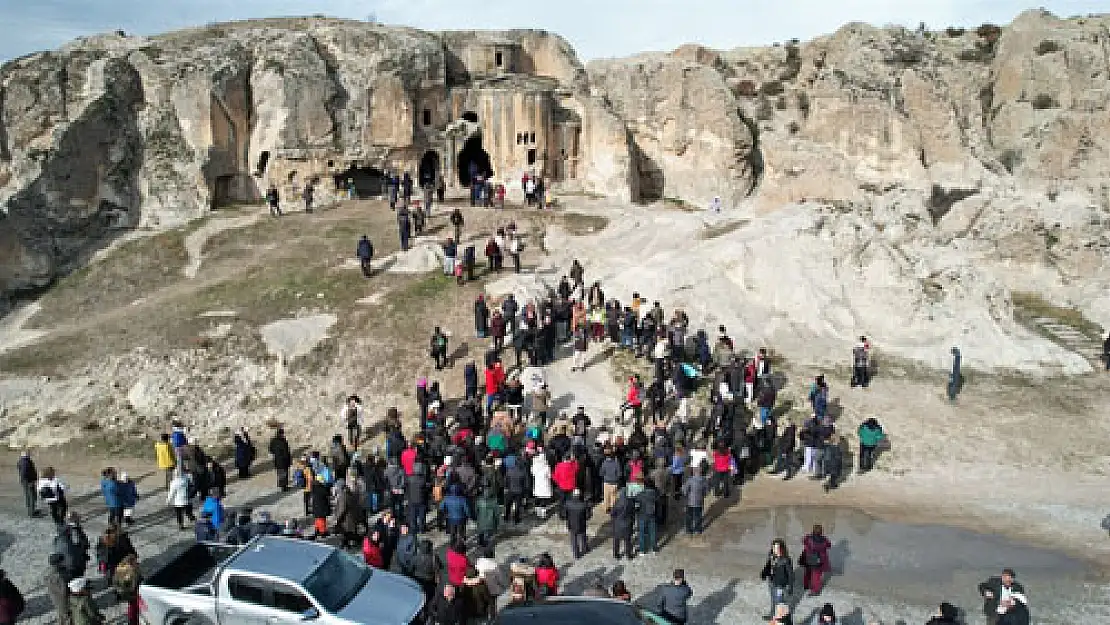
<point>597,28</point>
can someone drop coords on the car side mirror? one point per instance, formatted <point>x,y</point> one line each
<point>310,614</point>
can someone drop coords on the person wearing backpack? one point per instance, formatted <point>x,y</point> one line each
<point>815,560</point>
<point>365,252</point>
<point>12,603</point>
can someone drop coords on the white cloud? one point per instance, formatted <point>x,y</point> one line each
<point>596,27</point>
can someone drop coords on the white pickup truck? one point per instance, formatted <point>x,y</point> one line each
<point>276,581</point>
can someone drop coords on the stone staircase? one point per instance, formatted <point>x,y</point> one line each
<point>1072,338</point>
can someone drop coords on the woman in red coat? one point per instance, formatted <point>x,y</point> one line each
<point>815,560</point>
<point>457,563</point>
<point>547,576</point>
<point>372,550</point>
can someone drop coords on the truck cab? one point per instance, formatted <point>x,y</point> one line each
<point>276,581</point>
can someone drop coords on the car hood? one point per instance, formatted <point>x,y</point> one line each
<point>386,599</point>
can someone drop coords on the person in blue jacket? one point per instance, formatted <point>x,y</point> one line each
<point>128,496</point>
<point>109,488</point>
<point>214,508</point>
<point>456,509</point>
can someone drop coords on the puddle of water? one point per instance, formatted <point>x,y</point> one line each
<point>921,564</point>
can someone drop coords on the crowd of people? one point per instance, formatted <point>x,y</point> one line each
<point>501,455</point>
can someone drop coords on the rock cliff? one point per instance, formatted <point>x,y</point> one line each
<point>115,132</point>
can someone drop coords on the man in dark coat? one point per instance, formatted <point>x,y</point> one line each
<point>54,581</point>
<point>578,514</point>
<point>516,488</point>
<point>622,514</point>
<point>283,458</point>
<point>446,608</point>
<point>995,589</point>
<point>365,255</point>
<point>481,316</point>
<point>673,598</point>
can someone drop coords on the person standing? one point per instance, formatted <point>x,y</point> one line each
<point>406,188</point>
<point>73,544</point>
<point>352,189</point>
<point>128,496</point>
<point>487,513</point>
<point>28,481</point>
<point>870,436</point>
<point>283,458</point>
<point>54,582</point>
<point>832,462</point>
<point>394,190</point>
<point>578,514</point>
<point>438,348</point>
<point>177,495</point>
<point>946,614</point>
<point>126,584</point>
<point>647,516</point>
<point>244,453</point>
<point>815,560</point>
<point>404,228</point>
<point>955,379</point>
<point>860,366</point>
<point>675,597</point>
<point>308,195</point>
<point>778,572</point>
<point>165,458</point>
<point>429,196</point>
<point>694,490</point>
<point>996,590</point>
<point>273,200</point>
<point>457,222</point>
<point>581,345</point>
<point>446,608</point>
<point>441,189</point>
<point>82,608</point>
<point>12,603</point>
<point>622,514</point>
<point>1106,350</point>
<point>515,247</point>
<point>365,253</point>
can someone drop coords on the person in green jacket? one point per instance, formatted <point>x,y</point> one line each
<point>81,605</point>
<point>870,436</point>
<point>489,514</point>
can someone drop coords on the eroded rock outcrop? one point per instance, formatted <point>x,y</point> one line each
<point>115,132</point>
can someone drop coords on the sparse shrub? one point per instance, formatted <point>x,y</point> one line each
<point>989,32</point>
<point>780,104</point>
<point>804,104</point>
<point>1047,46</point>
<point>954,31</point>
<point>772,88</point>
<point>747,89</point>
<point>766,111</point>
<point>794,128</point>
<point>1044,101</point>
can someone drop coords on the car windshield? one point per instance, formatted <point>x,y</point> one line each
<point>336,581</point>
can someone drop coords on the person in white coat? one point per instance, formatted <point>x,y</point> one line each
<point>178,497</point>
<point>541,480</point>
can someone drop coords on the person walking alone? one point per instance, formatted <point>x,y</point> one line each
<point>955,379</point>
<point>28,481</point>
<point>778,572</point>
<point>365,255</point>
<point>178,496</point>
<point>274,200</point>
<point>815,560</point>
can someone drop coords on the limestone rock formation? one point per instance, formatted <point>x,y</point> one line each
<point>114,132</point>
<point>689,141</point>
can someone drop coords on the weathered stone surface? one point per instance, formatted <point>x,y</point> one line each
<point>115,131</point>
<point>689,142</point>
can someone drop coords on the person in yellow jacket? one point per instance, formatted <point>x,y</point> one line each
<point>164,456</point>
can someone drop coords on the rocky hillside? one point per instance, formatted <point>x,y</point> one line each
<point>959,170</point>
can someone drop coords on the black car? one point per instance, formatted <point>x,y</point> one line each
<point>577,611</point>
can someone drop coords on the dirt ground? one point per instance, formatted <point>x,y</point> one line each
<point>1013,456</point>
